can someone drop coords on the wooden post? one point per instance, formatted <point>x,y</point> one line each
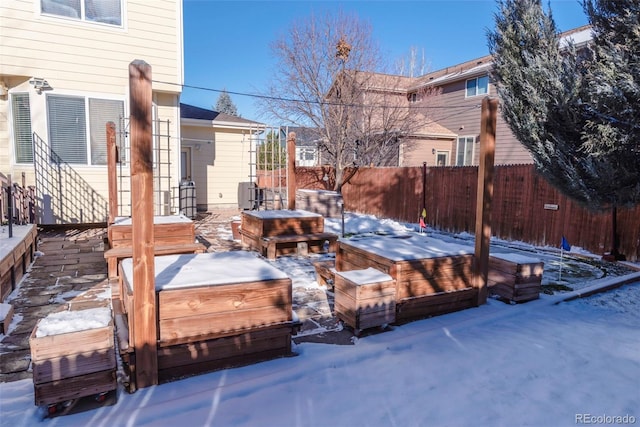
<point>144,294</point>
<point>291,171</point>
<point>485,195</point>
<point>112,179</point>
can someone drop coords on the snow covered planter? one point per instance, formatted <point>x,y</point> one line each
<point>73,355</point>
<point>215,310</point>
<point>514,277</point>
<point>432,277</point>
<point>365,298</point>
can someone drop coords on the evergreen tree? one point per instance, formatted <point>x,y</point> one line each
<point>272,154</point>
<point>573,109</point>
<point>226,105</point>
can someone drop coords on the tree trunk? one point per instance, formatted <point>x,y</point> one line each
<point>614,255</point>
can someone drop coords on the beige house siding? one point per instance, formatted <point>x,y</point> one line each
<point>221,159</point>
<point>89,60</point>
<point>414,152</point>
<point>463,115</point>
<point>94,57</point>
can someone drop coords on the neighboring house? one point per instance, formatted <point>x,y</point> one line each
<point>451,100</point>
<point>64,73</point>
<point>218,156</point>
<point>307,144</point>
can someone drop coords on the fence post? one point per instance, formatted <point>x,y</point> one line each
<point>144,294</point>
<point>485,195</point>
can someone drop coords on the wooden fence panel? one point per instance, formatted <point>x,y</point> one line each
<point>518,211</point>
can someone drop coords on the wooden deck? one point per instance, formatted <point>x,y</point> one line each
<point>430,280</point>
<point>213,314</point>
<point>17,253</point>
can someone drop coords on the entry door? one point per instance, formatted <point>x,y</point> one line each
<point>442,158</point>
<point>185,164</point>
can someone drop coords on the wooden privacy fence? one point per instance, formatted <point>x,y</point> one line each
<point>525,207</point>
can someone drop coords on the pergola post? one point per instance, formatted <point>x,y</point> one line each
<point>144,295</point>
<point>485,196</point>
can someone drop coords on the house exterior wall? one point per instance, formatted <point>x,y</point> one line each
<point>90,60</point>
<point>218,166</point>
<point>463,115</point>
<point>414,152</point>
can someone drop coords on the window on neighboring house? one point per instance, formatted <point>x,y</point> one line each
<point>21,111</point>
<point>77,127</point>
<point>103,11</point>
<point>413,97</point>
<point>464,151</point>
<point>478,86</point>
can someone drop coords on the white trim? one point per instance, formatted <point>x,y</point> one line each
<point>466,95</point>
<point>83,20</point>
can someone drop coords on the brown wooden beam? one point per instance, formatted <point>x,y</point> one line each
<point>144,294</point>
<point>485,196</point>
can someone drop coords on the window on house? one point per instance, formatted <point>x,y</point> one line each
<point>464,156</point>
<point>413,97</point>
<point>77,127</point>
<point>104,11</point>
<point>478,86</point>
<point>21,112</point>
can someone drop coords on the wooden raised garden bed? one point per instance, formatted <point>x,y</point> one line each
<point>174,234</point>
<point>514,277</point>
<point>365,298</point>
<point>74,363</point>
<point>215,310</point>
<point>282,232</point>
<point>431,278</point>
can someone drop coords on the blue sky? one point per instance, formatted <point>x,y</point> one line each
<point>227,43</point>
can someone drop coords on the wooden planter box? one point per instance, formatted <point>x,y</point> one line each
<point>215,310</point>
<point>365,298</point>
<point>72,365</point>
<point>514,277</point>
<point>430,279</point>
<point>259,224</point>
<point>167,230</point>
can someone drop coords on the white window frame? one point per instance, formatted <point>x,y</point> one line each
<point>476,81</point>
<point>87,120</point>
<point>59,6</point>
<point>15,131</point>
<point>466,160</point>
<point>447,155</point>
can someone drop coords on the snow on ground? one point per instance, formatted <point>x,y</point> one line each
<point>542,363</point>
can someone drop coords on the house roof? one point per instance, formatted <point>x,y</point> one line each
<point>431,129</point>
<point>192,112</point>
<point>482,65</point>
